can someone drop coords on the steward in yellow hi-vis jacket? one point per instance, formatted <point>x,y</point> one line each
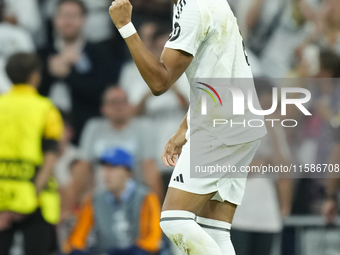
<point>30,130</point>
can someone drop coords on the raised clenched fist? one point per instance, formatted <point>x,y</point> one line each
<point>120,12</point>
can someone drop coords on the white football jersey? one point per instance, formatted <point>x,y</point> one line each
<point>208,30</point>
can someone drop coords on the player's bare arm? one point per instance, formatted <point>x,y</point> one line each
<point>160,75</point>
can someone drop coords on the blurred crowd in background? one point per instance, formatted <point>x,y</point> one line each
<point>89,75</point>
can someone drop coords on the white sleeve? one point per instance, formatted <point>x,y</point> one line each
<point>188,31</point>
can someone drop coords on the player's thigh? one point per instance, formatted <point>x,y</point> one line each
<point>223,211</point>
<point>177,199</point>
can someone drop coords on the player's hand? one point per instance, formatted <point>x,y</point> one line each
<point>120,12</point>
<point>329,210</point>
<point>173,148</point>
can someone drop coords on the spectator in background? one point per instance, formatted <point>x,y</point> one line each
<point>267,198</point>
<point>331,25</point>
<point>326,32</point>
<point>76,72</point>
<point>123,219</point>
<point>117,128</point>
<point>324,107</point>
<point>25,14</point>
<point>98,26</point>
<point>270,25</point>
<point>167,111</point>
<point>13,39</point>
<point>312,141</point>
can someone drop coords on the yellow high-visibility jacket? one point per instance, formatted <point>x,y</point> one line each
<point>28,123</point>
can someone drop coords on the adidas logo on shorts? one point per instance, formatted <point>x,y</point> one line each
<point>179,178</point>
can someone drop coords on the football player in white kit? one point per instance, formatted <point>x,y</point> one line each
<point>205,43</point>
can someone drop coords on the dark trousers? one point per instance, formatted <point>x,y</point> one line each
<point>166,176</point>
<point>252,243</point>
<point>39,236</point>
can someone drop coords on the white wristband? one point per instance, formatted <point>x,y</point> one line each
<point>127,30</point>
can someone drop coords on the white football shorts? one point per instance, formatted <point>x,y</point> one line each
<point>230,187</point>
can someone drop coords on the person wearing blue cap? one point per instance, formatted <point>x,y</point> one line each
<point>117,157</point>
<point>123,219</point>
